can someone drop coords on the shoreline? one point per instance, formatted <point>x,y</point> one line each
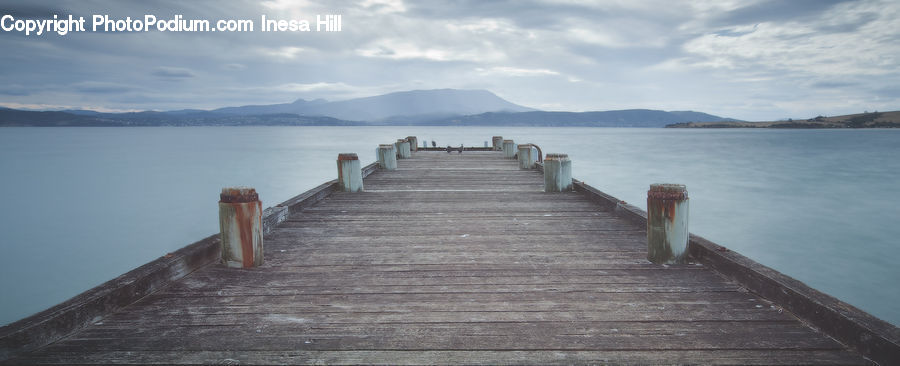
<point>856,121</point>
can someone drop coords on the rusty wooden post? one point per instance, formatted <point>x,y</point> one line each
<point>498,142</point>
<point>387,157</point>
<point>240,227</point>
<point>557,173</point>
<point>667,223</point>
<point>413,143</point>
<point>526,156</point>
<point>509,149</point>
<point>349,173</point>
<point>403,151</point>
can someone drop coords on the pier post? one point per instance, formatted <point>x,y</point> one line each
<point>667,223</point>
<point>526,156</point>
<point>240,227</point>
<point>557,173</point>
<point>403,151</point>
<point>509,149</point>
<point>349,172</point>
<point>498,142</point>
<point>413,143</point>
<point>387,157</point>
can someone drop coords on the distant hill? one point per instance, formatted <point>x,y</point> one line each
<point>859,120</point>
<point>15,117</point>
<point>624,118</point>
<point>299,107</point>
<point>441,107</point>
<point>408,105</point>
<point>18,118</point>
<point>620,118</point>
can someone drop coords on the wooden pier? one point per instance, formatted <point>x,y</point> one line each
<point>454,258</point>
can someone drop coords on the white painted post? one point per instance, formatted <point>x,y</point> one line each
<point>403,151</point>
<point>498,142</point>
<point>557,173</point>
<point>240,227</point>
<point>387,157</point>
<point>667,223</point>
<point>509,149</point>
<point>413,143</point>
<point>526,156</point>
<point>349,172</point>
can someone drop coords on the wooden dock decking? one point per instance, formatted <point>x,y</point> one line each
<point>451,259</point>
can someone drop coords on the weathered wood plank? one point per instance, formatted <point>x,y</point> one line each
<point>227,290</point>
<point>631,314</point>
<point>369,278</point>
<point>454,357</point>
<point>472,336</point>
<point>160,300</point>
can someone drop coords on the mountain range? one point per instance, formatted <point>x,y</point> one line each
<point>440,107</point>
<point>416,104</point>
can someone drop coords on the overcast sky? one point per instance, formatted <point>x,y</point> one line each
<point>746,59</point>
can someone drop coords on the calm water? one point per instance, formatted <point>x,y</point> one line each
<point>84,205</point>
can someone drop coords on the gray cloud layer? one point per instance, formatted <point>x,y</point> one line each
<point>754,60</point>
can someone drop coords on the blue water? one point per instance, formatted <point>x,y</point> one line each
<point>83,205</point>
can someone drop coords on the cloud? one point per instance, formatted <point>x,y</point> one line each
<point>99,87</point>
<point>283,53</point>
<point>749,59</point>
<point>384,6</point>
<point>234,66</point>
<point>833,84</point>
<point>799,47</point>
<point>172,72</point>
<point>286,4</point>
<point>889,92</point>
<point>305,88</point>
<point>776,11</point>
<point>30,11</point>
<point>280,93</point>
<point>515,71</point>
<point>398,49</point>
<point>737,31</point>
<point>59,107</point>
<point>14,90</point>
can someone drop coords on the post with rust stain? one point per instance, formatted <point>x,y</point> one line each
<point>403,151</point>
<point>349,173</point>
<point>526,156</point>
<point>387,157</point>
<point>667,223</point>
<point>557,173</point>
<point>498,142</point>
<point>240,227</point>
<point>509,149</point>
<point>413,143</point>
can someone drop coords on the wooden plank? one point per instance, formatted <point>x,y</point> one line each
<point>227,290</point>
<point>453,357</point>
<point>472,336</point>
<point>275,278</point>
<point>508,300</point>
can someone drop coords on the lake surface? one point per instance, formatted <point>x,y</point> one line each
<point>84,205</point>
